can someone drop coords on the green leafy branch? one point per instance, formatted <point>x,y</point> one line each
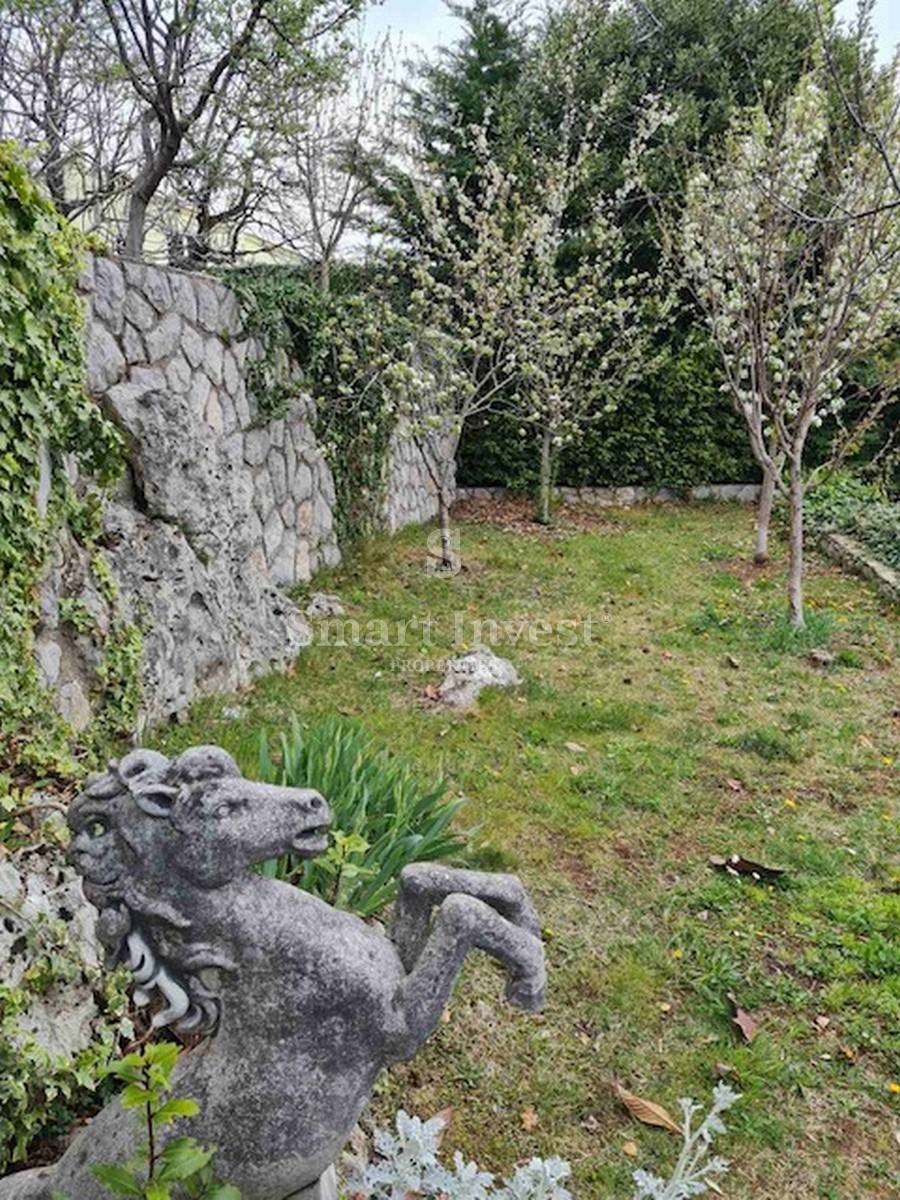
<point>160,1171</point>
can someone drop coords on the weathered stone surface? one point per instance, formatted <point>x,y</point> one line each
<point>158,289</point>
<point>178,375</point>
<point>287,989</point>
<point>73,704</point>
<point>138,311</point>
<point>133,344</point>
<point>105,361</point>
<point>108,296</point>
<point>470,673</point>
<point>325,604</point>
<point>183,298</point>
<point>410,494</point>
<point>199,394</point>
<point>213,414</point>
<point>163,339</point>
<point>278,472</point>
<point>216,511</point>
<point>207,306</point>
<point>213,359</point>
<point>192,346</point>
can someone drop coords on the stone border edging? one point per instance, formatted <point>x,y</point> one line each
<point>622,497</point>
<point>850,555</point>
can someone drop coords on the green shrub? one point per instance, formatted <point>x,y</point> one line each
<point>844,503</point>
<point>672,429</point>
<point>383,818</point>
<point>180,1167</point>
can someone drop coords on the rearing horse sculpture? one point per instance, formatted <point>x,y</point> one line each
<point>304,1004</point>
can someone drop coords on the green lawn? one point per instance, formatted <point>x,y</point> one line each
<point>696,726</point>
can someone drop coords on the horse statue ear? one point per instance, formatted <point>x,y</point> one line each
<point>144,773</point>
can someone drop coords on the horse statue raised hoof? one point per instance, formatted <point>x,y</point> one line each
<point>304,1004</point>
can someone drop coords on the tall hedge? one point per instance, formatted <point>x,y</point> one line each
<point>673,429</point>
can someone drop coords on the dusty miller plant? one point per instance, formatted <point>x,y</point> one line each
<point>408,1166</point>
<point>696,1169</point>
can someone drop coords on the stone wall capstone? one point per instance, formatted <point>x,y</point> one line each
<point>218,511</point>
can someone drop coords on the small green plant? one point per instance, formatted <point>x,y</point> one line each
<point>383,818</point>
<point>767,743</point>
<point>180,1167</point>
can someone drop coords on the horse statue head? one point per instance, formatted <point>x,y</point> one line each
<point>193,822</point>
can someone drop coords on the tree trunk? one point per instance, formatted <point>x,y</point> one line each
<point>795,574</point>
<point>134,233</point>
<point>161,156</point>
<point>764,516</point>
<point>545,488</point>
<point>447,563</point>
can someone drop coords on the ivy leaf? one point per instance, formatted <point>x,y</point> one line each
<point>118,1179</point>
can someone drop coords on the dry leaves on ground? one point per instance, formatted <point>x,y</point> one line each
<point>646,1110</point>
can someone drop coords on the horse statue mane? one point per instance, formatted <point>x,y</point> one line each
<point>302,1005</point>
<point>115,812</point>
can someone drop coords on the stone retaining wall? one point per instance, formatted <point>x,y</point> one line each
<point>623,497</point>
<point>853,557</point>
<point>411,496</point>
<point>218,512</point>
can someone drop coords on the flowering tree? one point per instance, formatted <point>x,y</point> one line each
<point>794,292</point>
<point>469,273</point>
<point>580,337</point>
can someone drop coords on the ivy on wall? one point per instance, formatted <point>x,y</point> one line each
<point>50,433</point>
<point>48,426</point>
<point>339,347</point>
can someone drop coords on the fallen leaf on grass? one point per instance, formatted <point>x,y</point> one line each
<point>734,784</point>
<point>724,1069</point>
<point>822,1022</point>
<point>630,1148</point>
<point>736,864</point>
<point>645,1110</point>
<point>530,1120</point>
<point>575,748</point>
<point>744,1021</point>
<point>446,1116</point>
<point>431,692</point>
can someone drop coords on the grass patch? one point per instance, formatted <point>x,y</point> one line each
<point>695,726</point>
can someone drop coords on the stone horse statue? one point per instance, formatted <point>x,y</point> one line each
<point>303,1004</point>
